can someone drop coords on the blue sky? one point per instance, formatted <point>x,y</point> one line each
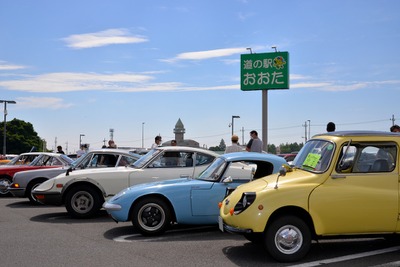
<point>85,67</point>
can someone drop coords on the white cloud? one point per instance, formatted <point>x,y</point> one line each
<point>102,38</point>
<point>42,102</point>
<point>201,55</point>
<point>69,82</point>
<point>5,66</point>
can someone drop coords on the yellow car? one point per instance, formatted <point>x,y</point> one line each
<point>340,183</point>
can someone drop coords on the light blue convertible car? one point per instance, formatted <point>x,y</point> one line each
<point>153,207</point>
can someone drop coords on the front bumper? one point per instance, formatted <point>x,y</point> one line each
<point>48,198</point>
<point>223,227</point>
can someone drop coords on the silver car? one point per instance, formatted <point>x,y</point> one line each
<point>24,182</point>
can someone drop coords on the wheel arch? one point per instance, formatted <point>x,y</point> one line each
<point>71,185</point>
<point>34,181</point>
<point>155,195</point>
<point>295,211</point>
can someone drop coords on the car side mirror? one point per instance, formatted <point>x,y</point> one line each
<point>227,180</point>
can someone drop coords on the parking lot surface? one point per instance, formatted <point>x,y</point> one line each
<point>48,236</point>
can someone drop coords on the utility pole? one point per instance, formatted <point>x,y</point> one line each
<point>305,131</point>
<point>392,119</point>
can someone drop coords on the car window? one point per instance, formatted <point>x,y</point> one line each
<point>368,158</point>
<point>203,159</point>
<point>124,161</point>
<point>173,159</point>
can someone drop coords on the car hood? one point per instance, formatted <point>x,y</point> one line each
<point>188,182</point>
<point>84,172</point>
<point>296,177</point>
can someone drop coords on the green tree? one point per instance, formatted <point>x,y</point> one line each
<point>221,147</point>
<point>21,137</point>
<point>289,148</point>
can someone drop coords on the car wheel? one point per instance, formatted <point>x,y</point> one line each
<point>288,239</point>
<point>29,190</point>
<point>151,216</point>
<point>5,182</point>
<point>83,202</point>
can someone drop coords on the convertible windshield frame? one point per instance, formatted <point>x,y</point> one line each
<point>316,156</point>
<point>214,172</point>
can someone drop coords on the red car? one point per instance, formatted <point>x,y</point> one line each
<point>41,160</point>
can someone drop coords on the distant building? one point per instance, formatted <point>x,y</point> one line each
<point>179,132</point>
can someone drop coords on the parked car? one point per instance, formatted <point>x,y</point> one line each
<point>25,181</point>
<point>22,159</point>
<point>153,207</point>
<point>342,184</point>
<point>84,191</point>
<point>4,159</point>
<point>43,160</point>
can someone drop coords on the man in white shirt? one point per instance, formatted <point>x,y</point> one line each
<point>234,147</point>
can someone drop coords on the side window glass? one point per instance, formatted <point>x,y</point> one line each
<point>108,160</point>
<point>372,159</point>
<point>124,161</point>
<point>202,159</point>
<point>172,159</point>
<point>346,159</point>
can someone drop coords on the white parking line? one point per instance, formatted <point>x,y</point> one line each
<point>349,257</point>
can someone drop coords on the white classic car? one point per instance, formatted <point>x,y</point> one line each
<point>84,191</point>
<point>24,182</point>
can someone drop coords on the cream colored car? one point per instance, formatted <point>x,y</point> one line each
<point>341,184</point>
<point>84,191</point>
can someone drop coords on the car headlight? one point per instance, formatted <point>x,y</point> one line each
<point>245,201</point>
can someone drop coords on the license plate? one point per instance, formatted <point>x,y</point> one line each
<point>220,223</point>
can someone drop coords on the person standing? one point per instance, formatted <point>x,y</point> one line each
<point>330,127</point>
<point>255,144</point>
<point>81,151</point>
<point>111,144</point>
<point>395,128</point>
<point>157,142</point>
<point>59,150</point>
<point>234,147</point>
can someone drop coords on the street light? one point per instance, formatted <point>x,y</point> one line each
<point>5,117</point>
<point>142,134</point>
<point>80,140</point>
<point>234,117</point>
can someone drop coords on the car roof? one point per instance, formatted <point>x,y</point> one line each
<point>359,133</point>
<point>109,150</point>
<point>237,156</point>
<point>186,148</point>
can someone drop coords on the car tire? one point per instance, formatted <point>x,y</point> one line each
<point>151,216</point>
<point>5,182</point>
<point>83,201</point>
<point>287,239</point>
<point>29,190</point>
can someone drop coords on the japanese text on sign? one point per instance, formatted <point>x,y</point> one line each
<point>265,71</point>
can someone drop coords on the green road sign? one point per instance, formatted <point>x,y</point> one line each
<point>264,71</point>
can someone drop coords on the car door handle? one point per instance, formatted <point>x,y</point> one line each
<point>336,176</point>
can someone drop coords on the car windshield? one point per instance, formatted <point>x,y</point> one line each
<point>315,156</point>
<point>214,171</point>
<point>141,162</point>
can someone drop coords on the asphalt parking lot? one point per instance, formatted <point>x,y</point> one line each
<point>47,236</point>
